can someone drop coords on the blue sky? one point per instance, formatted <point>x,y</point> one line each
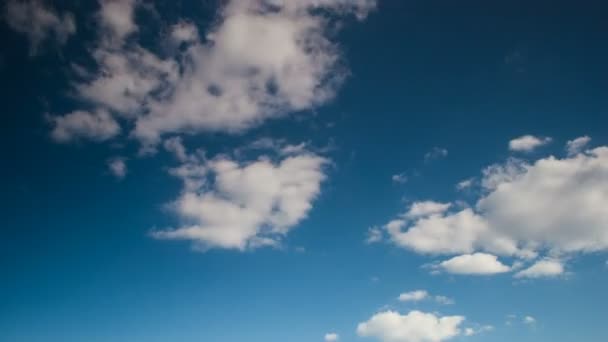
<point>393,171</point>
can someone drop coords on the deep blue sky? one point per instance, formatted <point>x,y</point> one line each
<point>77,259</point>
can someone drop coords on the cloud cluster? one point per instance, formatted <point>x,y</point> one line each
<point>262,59</point>
<point>39,22</point>
<point>243,205</point>
<point>420,295</point>
<point>552,207</point>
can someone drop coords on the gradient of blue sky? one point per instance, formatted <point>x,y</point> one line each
<point>79,262</point>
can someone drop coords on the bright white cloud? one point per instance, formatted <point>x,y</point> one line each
<point>413,296</point>
<point>228,204</point>
<point>416,326</point>
<point>552,206</point>
<point>98,126</point>
<point>542,268</point>
<point>118,167</point>
<point>262,59</point>
<point>577,145</point>
<point>474,264</point>
<point>527,143</point>
<point>39,22</point>
<point>331,337</point>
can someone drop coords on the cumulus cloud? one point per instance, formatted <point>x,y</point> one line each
<point>262,59</point>
<point>552,206</point>
<point>475,264</point>
<point>39,22</point>
<point>527,143</point>
<point>235,205</point>
<point>416,326</point>
<point>97,126</point>
<point>118,167</point>
<point>413,296</point>
<point>576,146</point>
<point>542,268</point>
<point>331,337</point>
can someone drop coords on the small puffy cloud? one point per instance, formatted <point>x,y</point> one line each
<point>436,153</point>
<point>416,326</point>
<point>474,264</point>
<point>542,268</point>
<point>529,320</point>
<point>527,143</point>
<point>39,22</point>
<point>118,167</point>
<point>426,208</point>
<point>235,205</point>
<point>400,178</point>
<point>413,296</point>
<point>575,146</point>
<point>97,126</point>
<point>331,337</point>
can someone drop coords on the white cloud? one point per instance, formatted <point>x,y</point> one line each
<point>426,208</point>
<point>529,320</point>
<point>576,146</point>
<point>118,167</point>
<point>262,59</point>
<point>331,337</point>
<point>413,296</point>
<point>228,204</point>
<point>416,326</point>
<point>475,331</point>
<point>474,264</point>
<point>400,178</point>
<point>527,143</point>
<point>436,153</point>
<point>551,206</point>
<point>39,22</point>
<point>465,184</point>
<point>98,126</point>
<point>542,268</point>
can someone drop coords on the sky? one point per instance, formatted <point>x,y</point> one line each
<point>311,170</point>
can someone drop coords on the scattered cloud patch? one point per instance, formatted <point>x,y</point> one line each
<point>465,184</point>
<point>529,320</point>
<point>435,153</point>
<point>415,326</point>
<point>400,178</point>
<point>97,126</point>
<point>577,145</point>
<point>331,337</point>
<point>413,296</point>
<point>374,234</point>
<point>118,167</point>
<point>542,268</point>
<point>39,22</point>
<point>528,143</point>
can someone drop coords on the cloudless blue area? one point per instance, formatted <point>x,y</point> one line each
<point>77,264</point>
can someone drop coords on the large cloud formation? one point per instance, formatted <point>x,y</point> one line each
<point>552,206</point>
<point>262,59</point>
